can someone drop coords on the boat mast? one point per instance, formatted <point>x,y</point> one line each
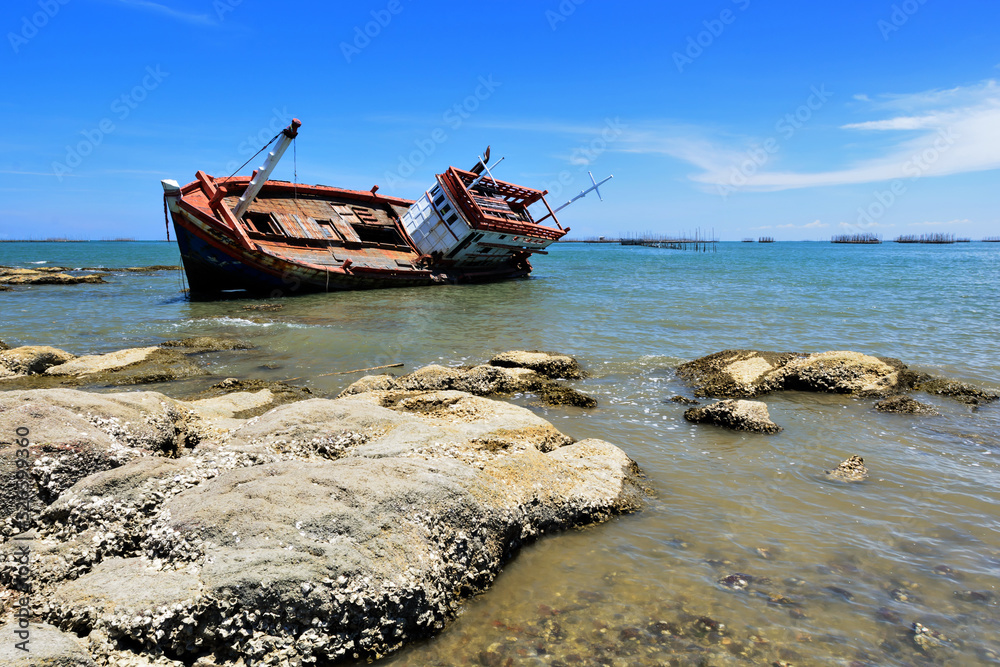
<point>583,194</point>
<point>260,178</point>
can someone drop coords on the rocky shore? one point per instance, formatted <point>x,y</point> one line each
<point>57,275</point>
<point>223,529</point>
<point>742,374</point>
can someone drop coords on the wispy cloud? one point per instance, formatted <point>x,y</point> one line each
<point>30,173</point>
<point>958,127</point>
<point>163,10</point>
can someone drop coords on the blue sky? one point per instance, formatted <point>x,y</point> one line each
<point>788,119</point>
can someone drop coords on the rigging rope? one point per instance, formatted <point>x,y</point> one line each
<point>295,167</point>
<point>258,153</point>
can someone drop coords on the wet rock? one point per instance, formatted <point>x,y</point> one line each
<point>208,344</point>
<point>238,399</point>
<point>749,373</point>
<point>851,470</point>
<point>733,373</point>
<point>959,391</point>
<point>30,360</point>
<point>683,400</point>
<point>842,373</point>
<point>546,364</point>
<point>4,346</point>
<point>483,380</point>
<point>736,582</point>
<point>751,416</point>
<point>265,307</point>
<point>982,597</point>
<point>561,395</point>
<point>904,405</point>
<point>319,530</point>
<point>927,639</point>
<point>48,647</point>
<point>33,277</point>
<point>841,593</point>
<point>887,615</point>
<point>127,367</point>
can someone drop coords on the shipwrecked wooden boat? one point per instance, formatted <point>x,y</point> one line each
<point>279,238</point>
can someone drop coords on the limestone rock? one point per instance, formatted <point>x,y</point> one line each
<point>738,415</point>
<point>30,360</point>
<point>959,391</point>
<point>842,373</point>
<point>49,647</point>
<point>127,367</point>
<point>733,373</point>
<point>318,530</point>
<point>495,378</point>
<point>851,470</point>
<point>904,405</point>
<point>207,344</point>
<point>549,365</point>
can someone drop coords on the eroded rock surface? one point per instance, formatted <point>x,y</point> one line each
<point>904,405</point>
<point>30,360</point>
<point>321,530</point>
<point>502,376</point>
<point>48,647</point>
<point>750,373</point>
<point>738,415</point>
<point>851,470</point>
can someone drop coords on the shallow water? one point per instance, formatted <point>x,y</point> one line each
<point>837,573</point>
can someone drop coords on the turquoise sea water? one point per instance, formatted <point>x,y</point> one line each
<point>841,573</point>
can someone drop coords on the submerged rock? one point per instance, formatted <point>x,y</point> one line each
<point>904,405</point>
<point>4,346</point>
<point>749,416</point>
<point>683,400</point>
<point>208,344</point>
<point>851,470</point>
<point>959,391</point>
<point>322,530</point>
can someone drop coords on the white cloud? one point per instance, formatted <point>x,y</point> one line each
<point>947,132</point>
<point>157,8</point>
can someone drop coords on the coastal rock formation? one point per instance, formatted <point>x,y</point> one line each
<point>544,363</point>
<point>207,344</point>
<point>959,391</point>
<point>749,373</point>
<point>493,379</point>
<point>30,360</point>
<point>904,405</point>
<point>133,366</point>
<point>737,415</point>
<point>851,470</point>
<point>321,530</point>
<point>48,647</point>
<point>41,366</point>
<point>45,276</point>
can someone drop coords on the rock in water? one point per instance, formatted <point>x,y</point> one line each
<point>851,470</point>
<point>749,373</point>
<point>904,405</point>
<point>322,530</point>
<point>507,373</point>
<point>959,391</point>
<point>544,363</point>
<point>749,416</point>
